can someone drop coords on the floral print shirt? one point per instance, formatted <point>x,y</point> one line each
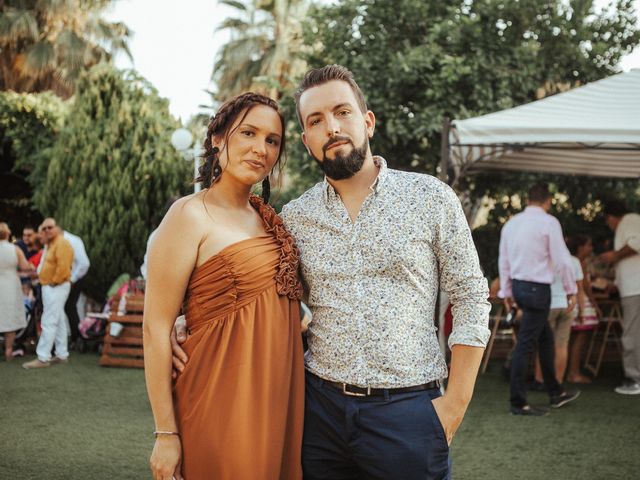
<point>373,283</point>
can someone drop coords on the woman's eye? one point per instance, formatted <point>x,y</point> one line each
<point>247,133</point>
<point>273,141</point>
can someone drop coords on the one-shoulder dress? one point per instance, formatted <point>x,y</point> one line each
<point>240,399</point>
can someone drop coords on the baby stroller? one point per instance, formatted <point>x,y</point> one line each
<point>92,327</point>
<point>91,332</point>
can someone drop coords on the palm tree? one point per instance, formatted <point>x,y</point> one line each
<point>45,44</point>
<point>263,53</point>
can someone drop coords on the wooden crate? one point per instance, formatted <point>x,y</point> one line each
<point>125,350</point>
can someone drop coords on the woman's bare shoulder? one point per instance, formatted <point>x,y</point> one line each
<point>187,210</point>
<point>186,221</point>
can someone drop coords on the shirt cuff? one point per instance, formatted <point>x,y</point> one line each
<point>471,335</point>
<point>572,289</point>
<point>505,293</point>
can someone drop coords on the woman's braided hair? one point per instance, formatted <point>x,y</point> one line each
<point>220,126</point>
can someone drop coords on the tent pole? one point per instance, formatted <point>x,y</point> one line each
<point>444,151</point>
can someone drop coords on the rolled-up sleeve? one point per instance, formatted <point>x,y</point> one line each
<point>461,276</point>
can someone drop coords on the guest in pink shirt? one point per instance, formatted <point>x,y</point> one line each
<point>532,248</point>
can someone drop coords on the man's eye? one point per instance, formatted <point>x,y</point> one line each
<point>344,112</point>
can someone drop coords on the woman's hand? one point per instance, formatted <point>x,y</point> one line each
<point>166,458</point>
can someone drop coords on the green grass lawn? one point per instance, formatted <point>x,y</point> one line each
<point>82,421</point>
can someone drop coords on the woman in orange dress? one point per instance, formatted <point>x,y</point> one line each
<point>223,257</point>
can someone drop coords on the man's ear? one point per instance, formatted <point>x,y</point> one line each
<point>370,122</point>
<point>303,137</point>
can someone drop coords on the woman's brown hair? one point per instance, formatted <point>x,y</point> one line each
<point>220,126</point>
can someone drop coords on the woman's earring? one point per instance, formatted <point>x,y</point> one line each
<point>217,170</point>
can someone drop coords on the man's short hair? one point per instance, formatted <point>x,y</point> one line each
<point>539,193</point>
<point>319,76</point>
<point>28,227</point>
<point>615,208</point>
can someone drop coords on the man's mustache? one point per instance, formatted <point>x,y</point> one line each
<point>332,140</point>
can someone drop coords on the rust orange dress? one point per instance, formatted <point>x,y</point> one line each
<point>240,400</point>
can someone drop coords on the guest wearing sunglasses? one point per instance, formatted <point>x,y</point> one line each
<point>54,273</point>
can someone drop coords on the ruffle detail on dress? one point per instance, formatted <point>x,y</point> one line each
<point>287,280</point>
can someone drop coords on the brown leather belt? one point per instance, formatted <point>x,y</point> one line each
<point>355,391</point>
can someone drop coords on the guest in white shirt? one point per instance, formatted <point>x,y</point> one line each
<point>79,269</point>
<point>626,257</point>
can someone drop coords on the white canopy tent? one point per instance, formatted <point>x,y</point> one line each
<point>590,130</point>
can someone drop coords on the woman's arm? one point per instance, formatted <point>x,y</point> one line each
<point>172,258</point>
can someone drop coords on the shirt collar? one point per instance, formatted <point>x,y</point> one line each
<point>534,208</point>
<point>330,192</point>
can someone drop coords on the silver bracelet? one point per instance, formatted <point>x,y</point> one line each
<point>161,432</point>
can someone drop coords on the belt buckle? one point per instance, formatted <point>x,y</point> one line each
<point>355,394</point>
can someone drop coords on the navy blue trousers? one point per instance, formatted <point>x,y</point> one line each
<point>534,299</point>
<point>390,437</point>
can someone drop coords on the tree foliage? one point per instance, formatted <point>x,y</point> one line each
<point>264,52</point>
<point>45,45</point>
<point>112,168</point>
<point>301,171</point>
<point>418,62</point>
<point>28,126</point>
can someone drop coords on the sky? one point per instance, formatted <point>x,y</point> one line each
<point>174,45</point>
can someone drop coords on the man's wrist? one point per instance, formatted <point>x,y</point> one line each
<point>457,401</point>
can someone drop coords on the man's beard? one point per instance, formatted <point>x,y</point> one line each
<point>343,166</point>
